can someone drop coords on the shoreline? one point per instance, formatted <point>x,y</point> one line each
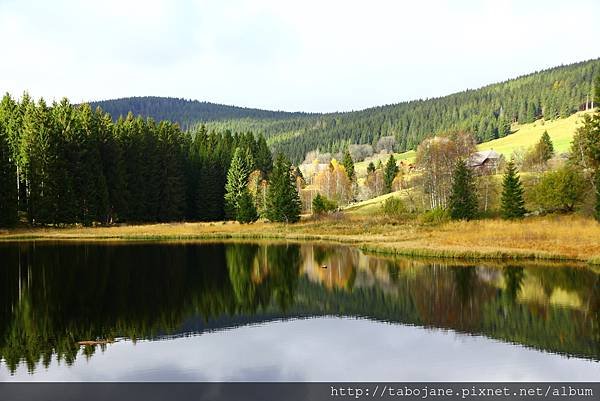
<point>555,238</point>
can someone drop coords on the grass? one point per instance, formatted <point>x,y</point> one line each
<point>361,167</point>
<point>561,133</point>
<point>548,238</point>
<point>371,206</point>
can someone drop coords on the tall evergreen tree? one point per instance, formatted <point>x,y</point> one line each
<point>246,211</point>
<point>546,147</point>
<point>8,191</point>
<point>512,203</point>
<point>263,158</point>
<point>463,199</point>
<point>283,201</point>
<point>113,169</point>
<point>348,164</point>
<point>237,180</point>
<point>171,175</point>
<point>597,91</point>
<point>39,144</point>
<point>11,117</point>
<point>585,148</point>
<point>597,207</point>
<point>391,169</point>
<point>88,178</point>
<point>503,127</point>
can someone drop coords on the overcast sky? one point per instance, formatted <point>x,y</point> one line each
<point>308,55</point>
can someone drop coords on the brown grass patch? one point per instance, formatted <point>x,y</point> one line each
<point>561,237</point>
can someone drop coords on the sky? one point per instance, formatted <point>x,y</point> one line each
<point>318,349</point>
<point>309,55</point>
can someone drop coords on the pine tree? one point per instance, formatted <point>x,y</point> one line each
<point>264,160</point>
<point>11,117</point>
<point>283,201</point>
<point>89,182</point>
<point>463,199</point>
<point>246,211</point>
<point>8,191</point>
<point>348,164</point>
<point>111,156</point>
<point>391,169</point>
<point>237,180</point>
<point>171,176</point>
<point>40,168</point>
<point>503,127</point>
<point>597,208</point>
<point>513,204</point>
<point>370,168</point>
<point>546,147</point>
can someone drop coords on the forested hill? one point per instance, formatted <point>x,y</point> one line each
<point>185,112</point>
<point>487,112</point>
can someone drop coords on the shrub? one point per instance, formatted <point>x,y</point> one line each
<point>436,215</point>
<point>560,190</point>
<point>321,205</point>
<point>393,207</point>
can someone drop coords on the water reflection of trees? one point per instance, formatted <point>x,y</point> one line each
<point>52,297</point>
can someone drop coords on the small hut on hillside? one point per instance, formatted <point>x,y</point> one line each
<point>485,160</point>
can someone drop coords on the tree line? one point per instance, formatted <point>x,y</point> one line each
<point>186,113</point>
<point>488,112</point>
<point>65,164</point>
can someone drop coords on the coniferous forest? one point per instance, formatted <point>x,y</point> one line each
<point>487,112</point>
<point>75,164</point>
<point>66,164</point>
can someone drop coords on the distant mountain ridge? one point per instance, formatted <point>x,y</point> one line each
<point>487,112</point>
<point>186,112</point>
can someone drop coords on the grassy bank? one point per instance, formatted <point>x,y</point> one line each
<point>550,238</point>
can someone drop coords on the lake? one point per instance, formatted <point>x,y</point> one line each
<point>104,311</point>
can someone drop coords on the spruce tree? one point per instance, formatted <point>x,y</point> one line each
<point>513,204</point>
<point>348,164</point>
<point>283,201</point>
<point>171,173</point>
<point>264,160</point>
<point>597,208</point>
<point>8,189</point>
<point>597,91</point>
<point>503,127</point>
<point>463,199</point>
<point>246,211</point>
<point>111,156</point>
<point>40,168</point>
<point>546,148</point>
<point>237,180</point>
<point>391,169</point>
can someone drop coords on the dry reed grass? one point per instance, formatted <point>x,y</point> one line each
<point>550,237</point>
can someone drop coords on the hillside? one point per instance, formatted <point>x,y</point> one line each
<point>488,112</point>
<point>524,136</point>
<point>561,133</point>
<point>186,112</point>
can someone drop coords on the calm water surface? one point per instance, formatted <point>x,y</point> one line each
<point>208,312</point>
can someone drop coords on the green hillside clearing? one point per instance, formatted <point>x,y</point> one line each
<point>524,136</point>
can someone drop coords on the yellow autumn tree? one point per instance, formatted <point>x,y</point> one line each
<point>333,182</point>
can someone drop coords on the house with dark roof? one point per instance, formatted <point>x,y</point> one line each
<point>485,160</point>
